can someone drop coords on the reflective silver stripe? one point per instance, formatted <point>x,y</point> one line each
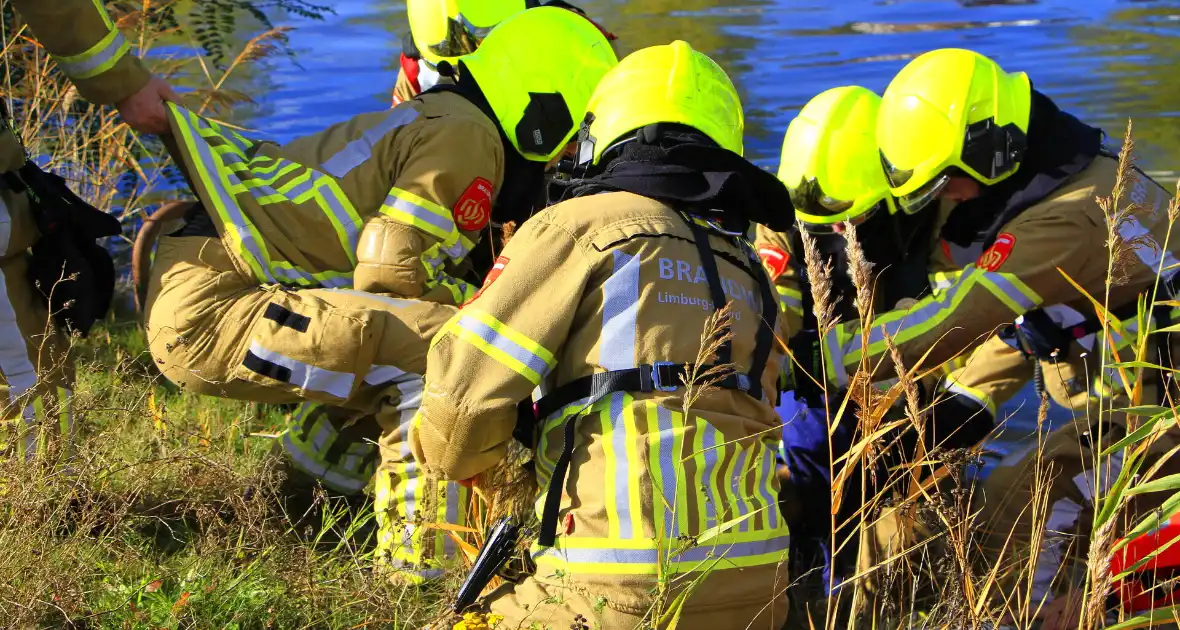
<point>394,302</point>
<point>1151,256</point>
<point>453,491</point>
<point>382,374</point>
<point>410,500</point>
<point>1016,295</point>
<point>737,488</point>
<point>620,307</point>
<point>1059,526</point>
<point>919,316</point>
<point>330,478</point>
<point>836,357</point>
<point>665,439</point>
<point>411,397</point>
<point>790,302</point>
<point>766,473</point>
<point>360,150</point>
<point>96,60</point>
<point>622,465</point>
<point>338,384</point>
<point>503,344</point>
<point>710,443</point>
<point>778,544</point>
<point>444,224</point>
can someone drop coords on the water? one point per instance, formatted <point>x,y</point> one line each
<point>1103,60</point>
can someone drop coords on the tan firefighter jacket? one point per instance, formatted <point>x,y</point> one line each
<point>86,45</point>
<point>603,283</point>
<point>389,202</point>
<point>1020,272</point>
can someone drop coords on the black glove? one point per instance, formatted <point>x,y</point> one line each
<point>1037,336</point>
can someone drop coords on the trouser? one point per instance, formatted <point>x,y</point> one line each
<point>36,373</point>
<point>408,502</point>
<point>215,331</point>
<point>1037,507</point>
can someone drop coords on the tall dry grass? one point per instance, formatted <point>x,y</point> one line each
<point>163,514</point>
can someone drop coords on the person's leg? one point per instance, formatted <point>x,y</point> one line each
<point>35,367</point>
<point>216,333</point>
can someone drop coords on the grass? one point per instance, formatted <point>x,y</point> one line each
<point>166,518</point>
<point>165,514</point>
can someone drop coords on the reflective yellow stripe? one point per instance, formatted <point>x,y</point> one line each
<point>930,312</point>
<point>225,171</point>
<point>97,59</point>
<point>102,13</point>
<point>241,233</point>
<point>434,263</point>
<point>419,212</point>
<point>502,343</point>
<point>308,186</point>
<point>983,400</point>
<point>789,299</point>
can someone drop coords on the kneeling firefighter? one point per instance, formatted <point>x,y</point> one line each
<point>1020,178</point>
<point>318,270</point>
<point>600,302</point>
<point>445,30</point>
<point>830,167</point>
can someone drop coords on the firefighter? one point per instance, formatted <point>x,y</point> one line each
<point>317,271</point>
<point>1019,178</point>
<point>600,301</point>
<point>831,169</point>
<point>444,30</point>
<point>35,369</point>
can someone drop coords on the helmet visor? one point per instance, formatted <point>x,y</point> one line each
<point>837,227</point>
<point>924,195</point>
<point>811,201</point>
<point>459,40</point>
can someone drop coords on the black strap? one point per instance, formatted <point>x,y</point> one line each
<point>717,293</point>
<point>764,339</point>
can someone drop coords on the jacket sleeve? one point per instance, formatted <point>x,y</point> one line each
<point>87,46</point>
<point>1017,274</point>
<point>446,182</point>
<point>498,349</point>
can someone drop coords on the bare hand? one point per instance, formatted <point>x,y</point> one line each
<point>144,111</point>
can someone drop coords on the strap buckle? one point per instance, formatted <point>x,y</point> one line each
<point>667,381</point>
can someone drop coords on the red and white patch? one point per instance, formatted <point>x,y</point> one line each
<point>994,257</point>
<point>497,269</point>
<point>774,259</point>
<point>473,210</point>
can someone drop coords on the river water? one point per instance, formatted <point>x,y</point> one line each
<point>1103,60</point>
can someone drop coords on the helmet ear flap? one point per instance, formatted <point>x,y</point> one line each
<point>545,123</point>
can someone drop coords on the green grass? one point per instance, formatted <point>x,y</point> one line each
<point>169,519</point>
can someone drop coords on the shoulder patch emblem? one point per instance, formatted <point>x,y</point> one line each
<point>497,268</point>
<point>473,210</point>
<point>774,259</point>
<point>994,257</point>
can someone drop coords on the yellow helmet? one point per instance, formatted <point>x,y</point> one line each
<point>830,160</point>
<point>951,111</point>
<point>444,30</point>
<point>537,70</point>
<point>664,84</point>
